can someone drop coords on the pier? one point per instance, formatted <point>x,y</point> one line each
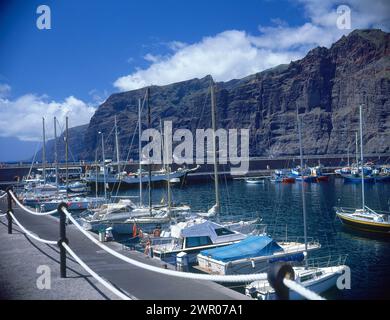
<point>21,256</point>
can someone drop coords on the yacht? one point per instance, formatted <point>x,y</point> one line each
<point>191,237</point>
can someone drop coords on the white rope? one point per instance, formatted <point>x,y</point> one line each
<point>186,275</point>
<point>3,215</point>
<point>105,283</point>
<point>30,233</point>
<point>310,295</point>
<point>28,210</point>
<point>3,195</point>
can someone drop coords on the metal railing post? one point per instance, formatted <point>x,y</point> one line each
<point>9,209</point>
<point>62,239</point>
<point>276,274</point>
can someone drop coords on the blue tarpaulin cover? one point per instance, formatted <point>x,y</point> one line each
<point>250,247</point>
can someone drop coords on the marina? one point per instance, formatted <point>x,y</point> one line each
<point>204,151</point>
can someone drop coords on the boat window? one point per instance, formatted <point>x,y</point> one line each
<point>197,241</point>
<point>223,232</point>
<point>365,217</point>
<point>306,277</point>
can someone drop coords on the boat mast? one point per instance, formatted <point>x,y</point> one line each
<point>66,154</point>
<point>96,171</point>
<point>302,188</point>
<point>117,146</point>
<point>104,168</point>
<point>166,166</point>
<point>213,122</point>
<point>44,151</point>
<point>357,150</point>
<point>139,152</point>
<point>55,151</point>
<point>149,164</point>
<point>361,152</point>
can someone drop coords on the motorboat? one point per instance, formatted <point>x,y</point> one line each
<point>251,255</point>
<point>191,237</point>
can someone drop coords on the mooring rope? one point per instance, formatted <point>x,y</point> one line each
<point>185,275</point>
<point>27,209</point>
<point>105,283</point>
<point>29,233</point>
<point>310,295</point>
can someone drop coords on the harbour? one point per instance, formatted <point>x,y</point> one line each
<point>182,152</point>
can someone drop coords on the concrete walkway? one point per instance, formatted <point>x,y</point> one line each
<point>21,256</point>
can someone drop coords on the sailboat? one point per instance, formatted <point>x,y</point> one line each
<point>112,175</point>
<point>364,218</point>
<point>315,277</point>
<point>124,216</point>
<point>50,201</point>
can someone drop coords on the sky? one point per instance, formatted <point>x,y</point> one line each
<point>96,48</point>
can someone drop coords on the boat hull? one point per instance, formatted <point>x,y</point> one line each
<point>354,179</point>
<point>320,286</point>
<point>364,226</point>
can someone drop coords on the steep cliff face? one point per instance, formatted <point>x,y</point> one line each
<point>75,146</point>
<point>326,88</point>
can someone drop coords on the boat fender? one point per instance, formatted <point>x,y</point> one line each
<point>276,273</point>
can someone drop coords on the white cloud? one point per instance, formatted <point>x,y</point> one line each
<point>22,117</point>
<point>235,54</point>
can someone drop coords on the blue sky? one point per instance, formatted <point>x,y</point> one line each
<point>96,48</point>
<point>92,43</point>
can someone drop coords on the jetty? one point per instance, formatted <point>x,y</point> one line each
<point>21,257</point>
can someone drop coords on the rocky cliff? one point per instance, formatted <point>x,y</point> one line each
<point>326,87</point>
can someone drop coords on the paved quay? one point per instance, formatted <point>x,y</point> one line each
<point>21,256</point>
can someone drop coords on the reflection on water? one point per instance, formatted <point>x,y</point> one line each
<point>280,207</point>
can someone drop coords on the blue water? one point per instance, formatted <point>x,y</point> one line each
<point>280,207</point>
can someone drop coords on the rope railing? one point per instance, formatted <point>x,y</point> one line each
<point>29,233</point>
<point>279,275</point>
<point>27,209</point>
<point>310,295</point>
<point>105,283</point>
<point>185,275</point>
